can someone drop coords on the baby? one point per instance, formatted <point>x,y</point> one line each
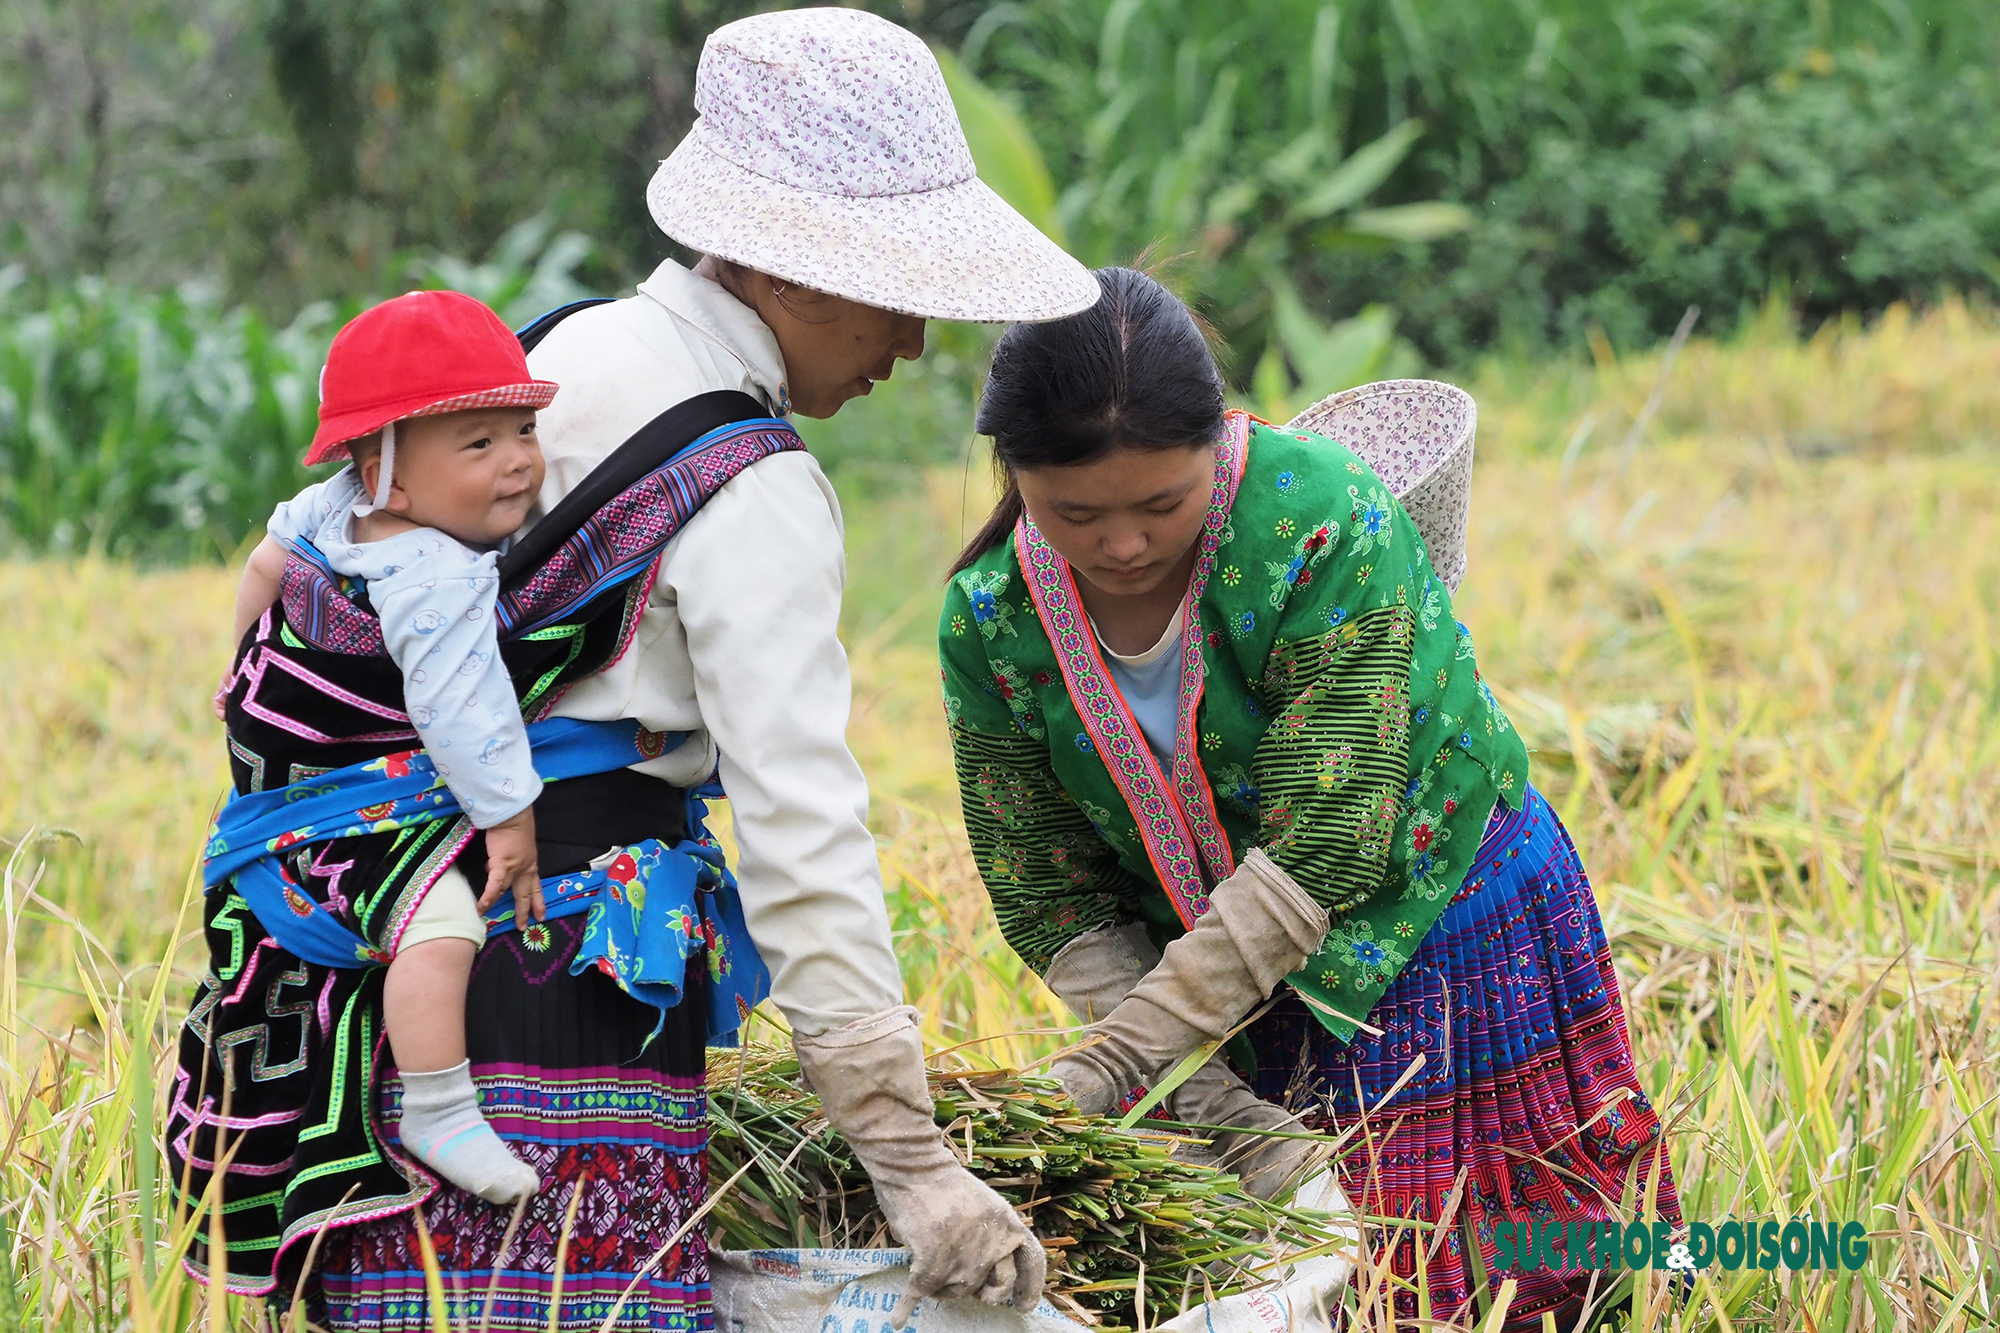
<point>431,398</point>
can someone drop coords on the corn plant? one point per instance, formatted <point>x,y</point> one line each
<point>165,426</point>
<point>1211,135</point>
<point>150,425</point>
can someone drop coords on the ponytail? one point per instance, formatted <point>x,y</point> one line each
<point>998,527</point>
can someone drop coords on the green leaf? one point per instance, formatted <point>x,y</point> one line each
<point>1101,131</point>
<point>1271,385</point>
<point>1008,159</point>
<point>531,269</point>
<point>1293,165</point>
<point>1412,222</point>
<point>1329,359</point>
<point>1356,178</point>
<point>1178,180</point>
<point>1160,1091</point>
<point>10,1294</point>
<point>1232,202</point>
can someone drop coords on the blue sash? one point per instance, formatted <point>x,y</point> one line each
<point>651,907</point>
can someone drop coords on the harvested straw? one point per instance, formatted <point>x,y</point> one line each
<point>1122,1218</point>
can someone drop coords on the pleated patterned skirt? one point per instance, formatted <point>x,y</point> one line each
<point>1527,1087</point>
<point>615,1127</point>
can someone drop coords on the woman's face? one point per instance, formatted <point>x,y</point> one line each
<point>834,349</point>
<point>1125,520</point>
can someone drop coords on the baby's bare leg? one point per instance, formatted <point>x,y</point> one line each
<point>423,1003</point>
<point>423,1008</point>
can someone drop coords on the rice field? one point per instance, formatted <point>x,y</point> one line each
<point>1746,611</point>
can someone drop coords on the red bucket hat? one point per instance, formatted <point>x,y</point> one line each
<point>416,356</point>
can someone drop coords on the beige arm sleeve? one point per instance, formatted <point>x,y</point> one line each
<point>758,576</point>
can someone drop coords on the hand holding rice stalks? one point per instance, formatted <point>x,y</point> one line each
<point>1122,1218</point>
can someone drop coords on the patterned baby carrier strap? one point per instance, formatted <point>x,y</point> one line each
<point>652,906</point>
<point>571,591</point>
<point>570,595</point>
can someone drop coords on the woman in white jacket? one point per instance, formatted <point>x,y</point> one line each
<point>829,186</point>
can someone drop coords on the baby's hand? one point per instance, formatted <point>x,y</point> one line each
<point>511,864</point>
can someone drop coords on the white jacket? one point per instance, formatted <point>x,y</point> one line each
<point>737,644</point>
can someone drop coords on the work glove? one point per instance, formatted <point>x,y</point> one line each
<point>1265,1166</point>
<point>1093,974</point>
<point>964,1239</point>
<point>1258,928</point>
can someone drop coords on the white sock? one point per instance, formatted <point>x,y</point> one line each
<point>443,1129</point>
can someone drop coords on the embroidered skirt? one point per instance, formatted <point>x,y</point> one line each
<point>621,1133</point>
<point>1527,1085</point>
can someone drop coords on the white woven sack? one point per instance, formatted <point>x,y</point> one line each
<point>857,1291</point>
<point>847,1291</point>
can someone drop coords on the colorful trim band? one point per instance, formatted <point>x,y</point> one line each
<point>1176,819</point>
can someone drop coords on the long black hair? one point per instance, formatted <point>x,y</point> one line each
<point>1133,370</point>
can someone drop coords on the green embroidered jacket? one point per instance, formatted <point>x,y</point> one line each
<point>1342,726</point>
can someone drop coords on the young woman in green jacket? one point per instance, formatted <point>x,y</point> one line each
<point>1218,733</point>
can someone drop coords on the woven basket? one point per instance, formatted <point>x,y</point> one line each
<point>1417,435</point>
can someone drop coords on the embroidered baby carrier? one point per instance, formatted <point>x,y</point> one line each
<point>339,826</point>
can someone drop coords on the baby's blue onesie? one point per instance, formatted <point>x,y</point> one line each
<point>435,597</point>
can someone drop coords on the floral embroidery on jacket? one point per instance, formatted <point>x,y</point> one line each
<point>1430,606</point>
<point>1297,572</point>
<point>1370,518</point>
<point>1234,785</point>
<point>993,616</point>
<point>1012,687</point>
<point>1355,944</point>
<point>1102,820</point>
<point>954,707</point>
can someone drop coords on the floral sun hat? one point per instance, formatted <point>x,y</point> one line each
<point>827,152</point>
<point>1417,435</point>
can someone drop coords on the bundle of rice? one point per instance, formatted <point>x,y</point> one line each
<point>1123,1219</point>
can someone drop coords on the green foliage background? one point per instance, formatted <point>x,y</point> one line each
<point>193,193</point>
<point>1621,159</point>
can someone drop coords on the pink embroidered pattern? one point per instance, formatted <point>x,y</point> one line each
<point>631,529</point>
<point>319,611</point>
<point>1197,799</point>
<point>1177,820</point>
<point>637,524</point>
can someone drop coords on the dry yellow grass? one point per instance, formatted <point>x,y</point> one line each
<point>1755,652</point>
